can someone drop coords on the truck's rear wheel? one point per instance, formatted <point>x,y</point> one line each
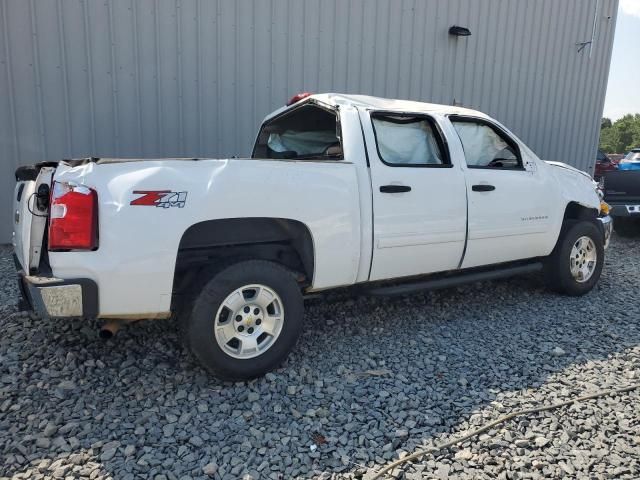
<point>575,264</point>
<point>246,320</point>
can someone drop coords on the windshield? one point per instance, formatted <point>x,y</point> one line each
<point>632,156</point>
<point>601,157</point>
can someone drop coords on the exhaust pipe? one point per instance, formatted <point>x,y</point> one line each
<point>109,329</point>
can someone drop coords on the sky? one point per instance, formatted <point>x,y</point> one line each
<point>623,89</point>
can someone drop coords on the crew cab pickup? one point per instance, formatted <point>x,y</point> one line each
<point>387,196</point>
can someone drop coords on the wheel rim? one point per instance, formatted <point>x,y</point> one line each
<point>584,258</point>
<point>249,321</point>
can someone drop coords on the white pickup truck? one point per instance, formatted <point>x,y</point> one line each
<point>341,190</point>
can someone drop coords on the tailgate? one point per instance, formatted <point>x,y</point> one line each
<point>622,186</point>
<point>30,212</point>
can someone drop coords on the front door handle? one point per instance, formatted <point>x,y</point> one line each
<point>395,188</point>
<point>483,188</point>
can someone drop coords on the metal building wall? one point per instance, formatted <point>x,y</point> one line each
<point>194,77</point>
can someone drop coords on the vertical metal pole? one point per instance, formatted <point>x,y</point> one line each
<point>595,25</point>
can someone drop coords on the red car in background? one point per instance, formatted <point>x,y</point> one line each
<point>604,164</point>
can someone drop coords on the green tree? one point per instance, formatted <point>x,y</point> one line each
<point>620,136</point>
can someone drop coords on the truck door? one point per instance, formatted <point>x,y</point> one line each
<point>419,196</point>
<point>510,207</point>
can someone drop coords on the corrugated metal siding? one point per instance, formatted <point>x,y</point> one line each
<point>195,77</point>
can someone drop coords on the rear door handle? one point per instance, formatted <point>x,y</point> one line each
<point>395,188</point>
<point>483,188</point>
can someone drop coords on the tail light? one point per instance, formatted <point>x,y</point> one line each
<point>73,217</point>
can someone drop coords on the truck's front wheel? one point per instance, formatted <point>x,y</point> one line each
<point>246,320</point>
<point>575,264</point>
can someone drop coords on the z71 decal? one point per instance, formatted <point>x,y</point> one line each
<point>159,198</point>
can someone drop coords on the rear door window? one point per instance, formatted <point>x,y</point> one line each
<point>408,140</point>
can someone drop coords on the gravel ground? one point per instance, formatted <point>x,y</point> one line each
<point>370,380</point>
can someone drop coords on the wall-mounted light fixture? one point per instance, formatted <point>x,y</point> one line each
<point>459,31</point>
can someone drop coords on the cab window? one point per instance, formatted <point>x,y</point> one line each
<point>308,132</point>
<point>486,146</point>
<point>408,141</point>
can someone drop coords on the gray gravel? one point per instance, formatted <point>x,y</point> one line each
<point>371,380</point>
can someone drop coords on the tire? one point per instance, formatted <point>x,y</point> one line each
<point>626,227</point>
<point>233,343</point>
<point>558,267</point>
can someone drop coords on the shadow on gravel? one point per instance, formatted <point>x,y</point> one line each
<point>369,377</point>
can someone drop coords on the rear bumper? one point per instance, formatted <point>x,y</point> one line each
<point>625,210</point>
<point>54,297</point>
<point>607,227</point>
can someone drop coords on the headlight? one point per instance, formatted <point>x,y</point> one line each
<point>598,187</point>
<point>604,206</point>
